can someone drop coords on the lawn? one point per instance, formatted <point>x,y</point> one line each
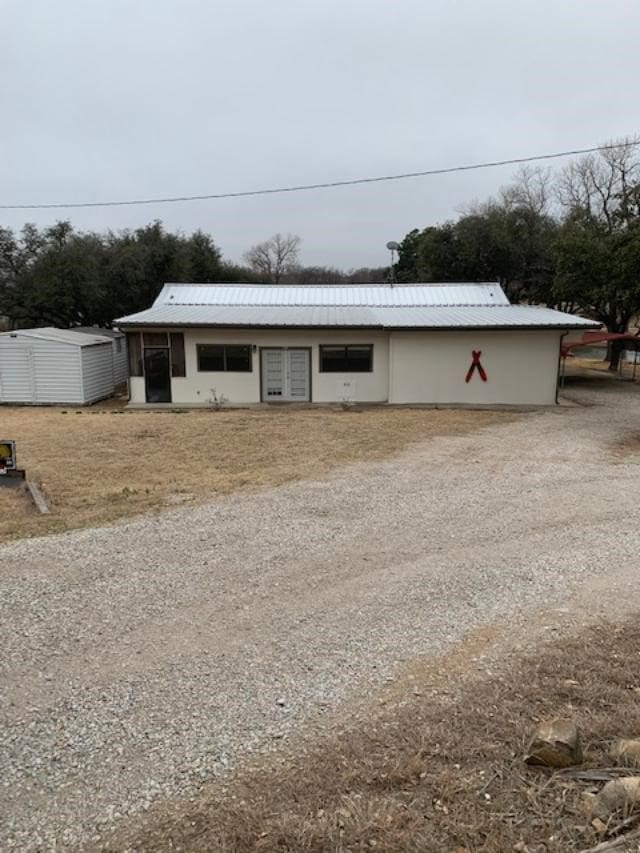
<point>101,464</point>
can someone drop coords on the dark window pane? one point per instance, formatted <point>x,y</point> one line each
<point>135,353</point>
<point>155,339</point>
<point>238,357</point>
<point>333,359</point>
<point>359,358</point>
<point>177,354</point>
<point>353,358</point>
<point>210,357</point>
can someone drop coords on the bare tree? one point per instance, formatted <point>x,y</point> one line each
<point>274,258</point>
<point>603,186</point>
<point>530,190</point>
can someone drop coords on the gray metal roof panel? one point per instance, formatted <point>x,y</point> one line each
<point>96,331</point>
<point>498,316</point>
<point>357,295</point>
<point>67,336</point>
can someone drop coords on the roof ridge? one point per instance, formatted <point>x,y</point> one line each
<point>361,284</point>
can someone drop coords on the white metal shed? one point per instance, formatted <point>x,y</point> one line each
<point>119,345</point>
<point>55,366</point>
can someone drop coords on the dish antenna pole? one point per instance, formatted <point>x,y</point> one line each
<point>394,248</point>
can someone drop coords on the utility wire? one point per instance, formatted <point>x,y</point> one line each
<point>323,186</point>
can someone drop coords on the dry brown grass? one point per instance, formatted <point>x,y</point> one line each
<point>441,769</point>
<point>625,370</point>
<point>627,446</point>
<point>101,464</point>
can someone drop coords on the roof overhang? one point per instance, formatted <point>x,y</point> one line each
<point>378,328</point>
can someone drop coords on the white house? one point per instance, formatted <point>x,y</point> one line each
<point>418,343</point>
<point>55,366</point>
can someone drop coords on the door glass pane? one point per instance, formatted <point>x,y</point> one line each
<point>298,374</point>
<point>157,375</point>
<point>273,373</point>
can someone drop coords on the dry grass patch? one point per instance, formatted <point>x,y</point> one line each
<point>627,446</point>
<point>441,769</point>
<point>98,465</point>
<point>625,370</point>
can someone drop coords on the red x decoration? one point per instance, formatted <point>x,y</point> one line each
<point>476,364</point>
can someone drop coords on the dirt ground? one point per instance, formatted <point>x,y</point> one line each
<point>439,767</point>
<point>315,667</point>
<point>100,464</point>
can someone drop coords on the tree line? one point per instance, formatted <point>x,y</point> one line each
<point>569,240</point>
<point>62,277</point>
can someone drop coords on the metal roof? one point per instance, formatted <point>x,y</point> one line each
<point>364,295</point>
<point>395,317</point>
<point>96,330</point>
<point>67,336</point>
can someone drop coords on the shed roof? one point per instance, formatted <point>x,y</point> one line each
<point>415,306</point>
<point>66,336</point>
<point>96,330</point>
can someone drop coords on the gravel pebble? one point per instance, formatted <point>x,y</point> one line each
<point>143,659</point>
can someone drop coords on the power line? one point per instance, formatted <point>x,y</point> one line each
<point>323,186</point>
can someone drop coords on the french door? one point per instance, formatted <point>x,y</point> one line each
<point>286,375</point>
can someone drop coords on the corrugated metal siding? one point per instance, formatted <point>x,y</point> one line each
<point>38,370</point>
<point>498,316</point>
<point>120,361</point>
<point>119,341</point>
<point>97,372</point>
<point>16,371</point>
<point>366,295</point>
<point>56,367</point>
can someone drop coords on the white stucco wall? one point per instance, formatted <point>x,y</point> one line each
<point>239,388</point>
<point>408,367</point>
<point>430,367</point>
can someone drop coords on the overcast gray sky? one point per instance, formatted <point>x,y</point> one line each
<point>104,99</point>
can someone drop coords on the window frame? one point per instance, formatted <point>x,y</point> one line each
<point>345,347</point>
<point>136,346</point>
<point>135,355</point>
<point>178,365</point>
<point>224,368</point>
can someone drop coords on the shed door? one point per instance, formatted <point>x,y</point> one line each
<point>286,375</point>
<point>17,373</point>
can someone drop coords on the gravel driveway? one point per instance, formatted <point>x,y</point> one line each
<point>141,659</point>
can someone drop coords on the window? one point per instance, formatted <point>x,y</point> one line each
<point>118,345</point>
<point>352,358</point>
<point>178,368</point>
<point>155,339</point>
<point>215,357</point>
<point>134,348</point>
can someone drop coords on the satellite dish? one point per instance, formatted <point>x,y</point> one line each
<point>393,246</point>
